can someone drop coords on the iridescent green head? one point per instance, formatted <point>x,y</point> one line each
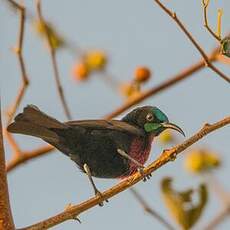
<point>151,119</point>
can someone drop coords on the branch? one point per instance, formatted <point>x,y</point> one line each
<point>13,163</point>
<point>219,190</point>
<point>25,81</point>
<point>182,75</point>
<point>165,157</point>
<point>52,52</point>
<point>219,218</point>
<point>18,51</point>
<point>224,197</point>
<point>205,8</point>
<point>151,211</point>
<point>6,219</point>
<point>22,158</point>
<point>190,37</point>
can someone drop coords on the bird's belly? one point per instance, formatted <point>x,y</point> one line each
<point>140,152</point>
<point>103,159</point>
<point>99,152</point>
<point>111,165</point>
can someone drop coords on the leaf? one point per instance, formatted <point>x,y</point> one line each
<point>225,46</point>
<point>201,160</point>
<point>180,203</point>
<point>43,27</point>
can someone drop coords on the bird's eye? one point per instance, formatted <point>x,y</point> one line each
<point>149,117</point>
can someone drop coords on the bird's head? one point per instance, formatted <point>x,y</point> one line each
<point>151,119</point>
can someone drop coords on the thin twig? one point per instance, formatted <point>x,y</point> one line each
<point>12,142</point>
<point>25,81</point>
<point>29,155</point>
<point>219,218</point>
<point>13,163</point>
<point>52,52</point>
<point>109,79</point>
<point>190,37</point>
<point>223,196</point>
<point>182,75</point>
<point>165,157</point>
<point>150,210</point>
<point>6,219</point>
<point>219,190</point>
<point>70,45</point>
<point>205,8</point>
<point>18,50</point>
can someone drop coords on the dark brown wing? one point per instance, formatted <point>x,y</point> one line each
<point>114,125</point>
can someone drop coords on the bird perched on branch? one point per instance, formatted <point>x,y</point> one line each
<point>100,148</point>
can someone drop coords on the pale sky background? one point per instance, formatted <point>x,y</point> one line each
<point>132,33</point>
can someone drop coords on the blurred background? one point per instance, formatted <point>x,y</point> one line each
<point>131,34</point>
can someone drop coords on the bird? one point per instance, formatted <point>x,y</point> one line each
<point>100,148</point>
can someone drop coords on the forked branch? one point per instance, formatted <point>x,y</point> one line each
<point>206,24</point>
<point>194,42</point>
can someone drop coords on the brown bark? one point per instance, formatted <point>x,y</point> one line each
<point>6,219</point>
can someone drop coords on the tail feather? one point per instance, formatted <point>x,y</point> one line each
<point>32,114</point>
<point>34,122</point>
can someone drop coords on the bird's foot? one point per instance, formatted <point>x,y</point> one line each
<point>99,194</point>
<point>141,171</point>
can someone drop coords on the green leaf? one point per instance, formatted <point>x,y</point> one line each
<point>225,46</point>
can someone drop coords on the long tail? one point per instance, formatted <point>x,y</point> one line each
<point>34,122</point>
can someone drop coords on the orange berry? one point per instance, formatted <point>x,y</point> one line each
<point>80,71</point>
<point>142,74</point>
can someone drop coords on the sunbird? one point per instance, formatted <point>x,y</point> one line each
<point>100,148</point>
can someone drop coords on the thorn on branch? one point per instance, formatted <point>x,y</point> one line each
<point>206,125</point>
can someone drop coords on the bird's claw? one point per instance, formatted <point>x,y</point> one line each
<point>98,194</point>
<point>145,177</point>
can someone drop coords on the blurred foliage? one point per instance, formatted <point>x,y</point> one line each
<point>180,204</point>
<point>95,60</point>
<point>43,27</point>
<point>225,46</point>
<point>225,42</point>
<point>90,62</point>
<point>166,137</point>
<point>201,160</point>
<point>131,90</point>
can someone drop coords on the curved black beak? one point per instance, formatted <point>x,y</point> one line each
<point>168,125</point>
